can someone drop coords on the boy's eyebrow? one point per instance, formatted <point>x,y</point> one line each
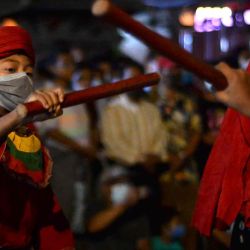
<point>15,61</point>
<point>9,60</point>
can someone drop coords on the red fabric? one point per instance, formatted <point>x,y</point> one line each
<point>50,239</point>
<point>56,235</point>
<point>222,189</point>
<point>17,167</point>
<point>245,208</point>
<point>9,237</point>
<point>30,214</point>
<point>13,39</point>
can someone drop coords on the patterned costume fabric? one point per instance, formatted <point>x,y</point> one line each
<point>29,212</point>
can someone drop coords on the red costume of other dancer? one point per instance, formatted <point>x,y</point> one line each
<point>225,185</point>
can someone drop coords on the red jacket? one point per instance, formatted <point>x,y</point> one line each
<point>221,190</point>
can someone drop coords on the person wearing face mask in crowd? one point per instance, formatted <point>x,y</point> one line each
<point>172,231</point>
<point>115,219</point>
<point>30,216</point>
<point>133,136</point>
<point>243,58</point>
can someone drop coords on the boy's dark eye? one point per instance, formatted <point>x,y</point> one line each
<point>10,70</point>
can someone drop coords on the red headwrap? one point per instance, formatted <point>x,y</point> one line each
<point>13,39</point>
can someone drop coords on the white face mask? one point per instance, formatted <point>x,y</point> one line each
<point>243,62</point>
<point>120,192</point>
<point>14,89</point>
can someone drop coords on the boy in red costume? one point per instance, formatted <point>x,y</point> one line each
<point>30,217</point>
<point>224,195</point>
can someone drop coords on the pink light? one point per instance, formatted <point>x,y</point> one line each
<point>216,22</point>
<point>247,17</point>
<point>227,21</point>
<point>210,18</point>
<point>226,12</point>
<point>198,28</point>
<point>239,17</point>
<point>208,27</point>
<point>199,18</point>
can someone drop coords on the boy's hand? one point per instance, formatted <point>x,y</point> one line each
<point>51,100</point>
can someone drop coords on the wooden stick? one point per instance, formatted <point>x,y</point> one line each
<point>166,47</point>
<point>93,93</point>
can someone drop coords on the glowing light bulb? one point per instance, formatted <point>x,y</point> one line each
<point>9,22</point>
<point>246,16</point>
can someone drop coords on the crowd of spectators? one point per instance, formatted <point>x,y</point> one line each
<point>127,168</point>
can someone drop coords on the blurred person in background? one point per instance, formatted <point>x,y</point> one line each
<point>243,58</point>
<point>82,77</point>
<point>162,65</point>
<point>115,219</point>
<point>78,53</point>
<point>212,113</point>
<point>133,136</point>
<point>179,184</point>
<point>105,66</point>
<point>69,140</point>
<point>131,128</point>
<point>85,79</point>
<point>171,233</point>
<point>183,124</point>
